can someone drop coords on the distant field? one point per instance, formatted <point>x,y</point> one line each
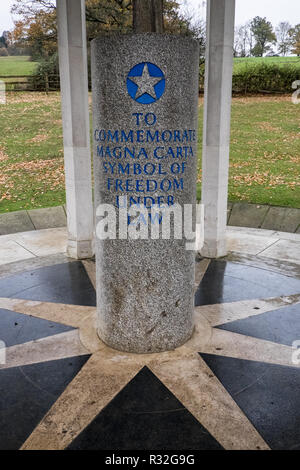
<point>17,66</point>
<point>240,62</point>
<point>22,66</point>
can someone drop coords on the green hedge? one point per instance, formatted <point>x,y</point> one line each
<point>46,76</point>
<point>261,78</point>
<point>251,79</point>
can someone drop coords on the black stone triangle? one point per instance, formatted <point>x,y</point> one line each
<point>225,281</point>
<point>17,328</point>
<point>279,326</point>
<point>268,394</point>
<point>28,392</point>
<point>145,415</point>
<point>66,283</point>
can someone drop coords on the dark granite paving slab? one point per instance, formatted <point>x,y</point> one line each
<point>280,326</point>
<point>225,281</point>
<point>28,392</point>
<point>268,394</point>
<point>16,328</point>
<point>145,415</point>
<point>63,283</point>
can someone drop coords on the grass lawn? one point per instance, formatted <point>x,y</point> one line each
<point>17,66</point>
<point>240,63</point>
<point>264,152</point>
<point>264,160</point>
<point>31,152</point>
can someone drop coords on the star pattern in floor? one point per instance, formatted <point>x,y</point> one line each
<point>233,385</point>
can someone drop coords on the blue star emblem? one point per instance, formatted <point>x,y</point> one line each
<point>146,83</point>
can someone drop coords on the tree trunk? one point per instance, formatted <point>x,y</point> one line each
<point>148,16</point>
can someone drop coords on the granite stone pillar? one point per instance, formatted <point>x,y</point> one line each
<point>145,105</point>
<point>216,127</point>
<point>76,126</point>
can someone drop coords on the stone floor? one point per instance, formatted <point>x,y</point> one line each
<point>234,385</point>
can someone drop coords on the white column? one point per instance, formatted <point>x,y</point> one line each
<point>216,129</point>
<point>76,128</point>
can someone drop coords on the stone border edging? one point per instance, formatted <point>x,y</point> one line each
<point>281,219</point>
<point>35,219</point>
<point>240,214</point>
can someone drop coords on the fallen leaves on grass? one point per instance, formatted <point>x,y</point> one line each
<point>44,169</point>
<point>265,179</point>
<point>39,176</point>
<point>266,126</point>
<point>35,97</point>
<point>290,137</point>
<point>3,155</point>
<point>37,138</point>
<point>251,99</point>
<point>273,157</point>
<point>199,176</point>
<point>240,164</point>
<point>263,137</point>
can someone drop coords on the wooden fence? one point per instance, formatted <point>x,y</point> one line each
<point>31,83</point>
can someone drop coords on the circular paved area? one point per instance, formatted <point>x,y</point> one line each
<point>234,385</point>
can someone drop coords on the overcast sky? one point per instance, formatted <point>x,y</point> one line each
<point>274,10</point>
